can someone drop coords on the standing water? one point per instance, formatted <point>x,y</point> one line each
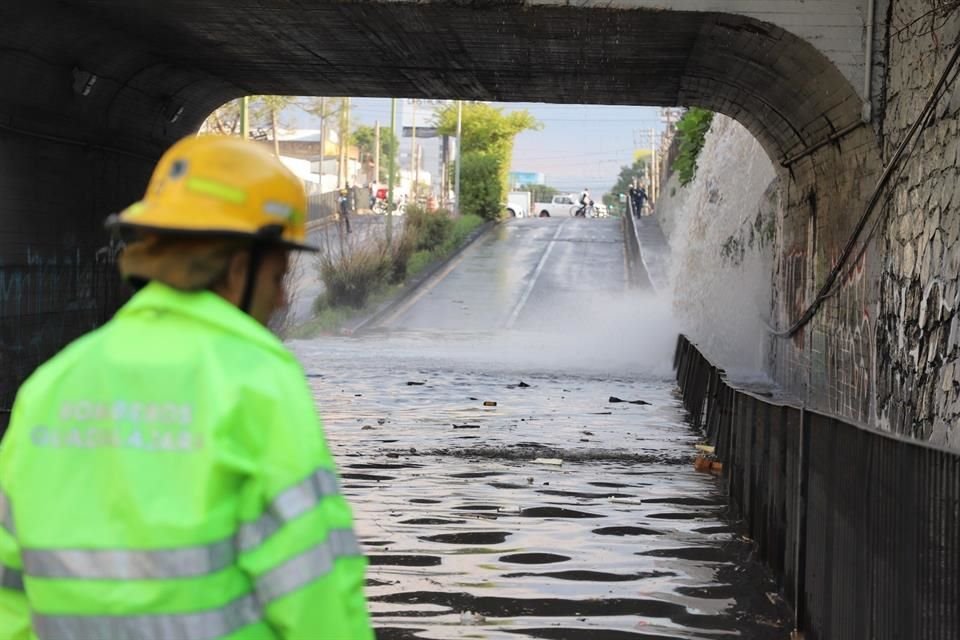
<point>535,481</point>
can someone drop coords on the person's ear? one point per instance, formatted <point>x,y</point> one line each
<point>235,279</point>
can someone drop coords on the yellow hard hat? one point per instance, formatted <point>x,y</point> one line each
<point>220,186</point>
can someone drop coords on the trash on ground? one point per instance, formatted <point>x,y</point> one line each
<point>615,399</point>
<point>553,461</point>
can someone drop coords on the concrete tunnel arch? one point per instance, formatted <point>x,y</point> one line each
<point>95,91</point>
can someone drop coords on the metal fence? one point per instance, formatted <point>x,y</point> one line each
<point>861,527</point>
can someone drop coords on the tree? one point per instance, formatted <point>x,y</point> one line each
<point>480,190</point>
<point>265,112</point>
<point>487,146</point>
<point>628,174</point>
<point>224,121</point>
<point>364,137</point>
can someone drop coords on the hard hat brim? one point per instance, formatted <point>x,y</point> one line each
<point>116,222</point>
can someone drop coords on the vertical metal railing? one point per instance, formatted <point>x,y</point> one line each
<point>861,527</point>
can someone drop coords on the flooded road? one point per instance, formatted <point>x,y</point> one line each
<point>506,479</point>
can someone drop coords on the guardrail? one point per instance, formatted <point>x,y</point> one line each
<point>632,241</point>
<point>861,527</point>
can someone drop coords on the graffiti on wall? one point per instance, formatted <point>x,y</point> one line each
<point>846,331</point>
<point>47,299</point>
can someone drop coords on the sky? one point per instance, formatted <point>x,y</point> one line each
<point>579,145</point>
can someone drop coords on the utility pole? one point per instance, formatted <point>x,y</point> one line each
<point>392,167</point>
<point>323,134</point>
<point>376,152</point>
<point>413,149</point>
<point>456,187</point>
<point>245,117</point>
<point>344,135</point>
<point>654,167</point>
<point>416,165</point>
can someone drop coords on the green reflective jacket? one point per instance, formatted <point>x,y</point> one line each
<point>166,477</point>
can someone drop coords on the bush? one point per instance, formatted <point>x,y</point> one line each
<point>691,132</point>
<point>351,276</point>
<point>481,190</point>
<point>431,230</point>
<point>419,261</point>
<point>462,227</point>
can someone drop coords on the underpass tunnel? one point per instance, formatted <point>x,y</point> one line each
<point>93,92</point>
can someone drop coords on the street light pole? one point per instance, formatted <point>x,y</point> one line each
<point>392,164</point>
<point>456,187</point>
<point>413,150</point>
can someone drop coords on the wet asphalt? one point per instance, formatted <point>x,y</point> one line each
<point>500,489</point>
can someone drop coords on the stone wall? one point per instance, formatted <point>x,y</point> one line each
<point>918,329</point>
<point>720,229</point>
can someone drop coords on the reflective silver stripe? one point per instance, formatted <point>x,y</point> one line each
<point>125,564</point>
<point>201,625</point>
<point>10,579</point>
<point>288,505</point>
<point>6,513</point>
<point>312,564</point>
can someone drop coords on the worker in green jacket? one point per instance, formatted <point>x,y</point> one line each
<point>166,477</point>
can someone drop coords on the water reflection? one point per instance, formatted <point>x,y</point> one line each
<point>620,539</point>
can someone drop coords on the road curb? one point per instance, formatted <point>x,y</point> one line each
<point>416,282</point>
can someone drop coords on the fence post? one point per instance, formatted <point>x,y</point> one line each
<point>801,519</point>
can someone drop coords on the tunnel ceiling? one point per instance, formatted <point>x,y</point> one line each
<point>154,58</point>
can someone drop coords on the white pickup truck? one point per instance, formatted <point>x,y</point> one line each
<point>564,204</point>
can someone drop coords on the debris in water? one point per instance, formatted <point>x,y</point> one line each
<point>615,399</point>
<point>706,448</point>
<point>553,461</point>
<point>469,617</point>
<point>366,427</point>
<point>466,426</point>
<point>603,413</point>
<point>413,383</point>
<point>381,420</point>
<point>520,385</point>
<point>587,433</point>
<point>489,403</point>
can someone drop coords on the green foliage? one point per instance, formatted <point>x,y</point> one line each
<point>625,179</point>
<point>365,276</point>
<point>487,146</point>
<point>419,261</point>
<point>462,227</point>
<point>481,189</point>
<point>364,137</point>
<point>430,229</point>
<point>692,130</point>
<point>351,276</point>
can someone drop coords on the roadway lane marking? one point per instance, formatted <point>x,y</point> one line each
<point>533,280</point>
